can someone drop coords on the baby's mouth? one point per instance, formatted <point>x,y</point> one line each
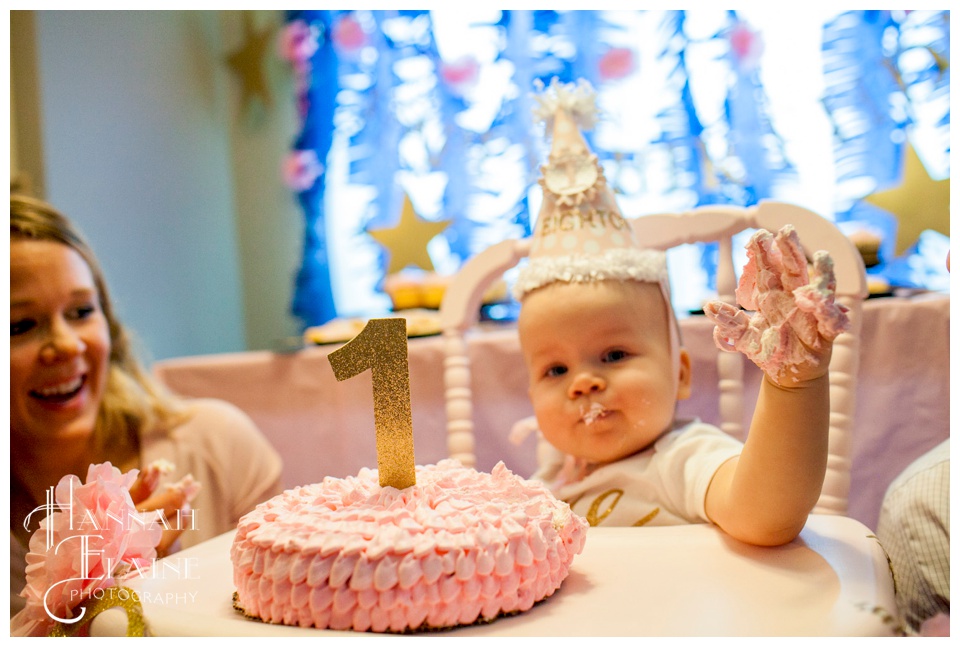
<point>59,392</point>
<point>594,413</point>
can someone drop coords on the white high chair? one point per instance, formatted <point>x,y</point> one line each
<point>460,309</point>
<point>842,550</point>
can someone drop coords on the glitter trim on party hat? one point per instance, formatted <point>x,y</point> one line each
<point>580,234</point>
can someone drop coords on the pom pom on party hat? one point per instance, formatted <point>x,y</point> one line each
<point>580,235</point>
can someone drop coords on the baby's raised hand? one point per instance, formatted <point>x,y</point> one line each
<point>795,316</point>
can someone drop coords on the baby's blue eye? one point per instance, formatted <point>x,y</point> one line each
<point>615,355</point>
<point>555,371</point>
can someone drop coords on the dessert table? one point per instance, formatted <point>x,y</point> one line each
<point>323,427</point>
<point>832,580</point>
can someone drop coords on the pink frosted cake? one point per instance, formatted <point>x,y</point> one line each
<point>460,546</point>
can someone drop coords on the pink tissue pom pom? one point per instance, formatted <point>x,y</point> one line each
<point>97,521</point>
<point>746,44</point>
<point>301,168</point>
<point>461,74</point>
<point>616,63</point>
<point>299,41</point>
<point>348,35</point>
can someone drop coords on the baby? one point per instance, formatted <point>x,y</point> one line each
<point>606,368</point>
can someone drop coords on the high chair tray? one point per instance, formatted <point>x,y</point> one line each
<point>670,581</point>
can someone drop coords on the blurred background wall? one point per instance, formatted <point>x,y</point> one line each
<point>134,124</point>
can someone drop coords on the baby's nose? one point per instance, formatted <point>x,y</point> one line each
<point>586,383</point>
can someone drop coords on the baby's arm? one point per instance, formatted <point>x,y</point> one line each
<point>764,496</point>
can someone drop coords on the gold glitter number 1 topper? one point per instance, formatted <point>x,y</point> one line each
<point>382,347</point>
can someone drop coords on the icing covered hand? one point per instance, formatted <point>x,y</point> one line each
<point>172,499</point>
<point>796,318</point>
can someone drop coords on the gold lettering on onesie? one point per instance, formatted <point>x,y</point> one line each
<point>653,487</point>
<point>595,517</point>
<point>647,519</point>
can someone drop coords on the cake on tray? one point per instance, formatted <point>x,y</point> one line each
<point>459,547</point>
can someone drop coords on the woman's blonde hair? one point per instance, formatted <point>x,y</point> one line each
<point>133,402</point>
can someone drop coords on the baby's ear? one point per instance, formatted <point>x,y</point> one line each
<point>683,384</point>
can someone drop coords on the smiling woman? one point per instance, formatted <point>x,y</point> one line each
<point>79,396</point>
<point>63,340</point>
<point>55,314</point>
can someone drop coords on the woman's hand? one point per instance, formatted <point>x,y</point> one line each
<point>172,501</point>
<point>796,318</point>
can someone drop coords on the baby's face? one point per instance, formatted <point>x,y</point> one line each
<point>601,376</point>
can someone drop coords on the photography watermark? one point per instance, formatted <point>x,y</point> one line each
<point>128,520</point>
<point>94,560</point>
<point>151,597</point>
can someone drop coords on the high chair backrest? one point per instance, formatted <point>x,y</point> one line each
<point>460,310</point>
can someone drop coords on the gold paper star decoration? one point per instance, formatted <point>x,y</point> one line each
<point>919,202</point>
<point>247,62</point>
<point>406,243</point>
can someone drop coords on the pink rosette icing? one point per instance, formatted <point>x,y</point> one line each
<point>458,547</point>
<point>94,539</point>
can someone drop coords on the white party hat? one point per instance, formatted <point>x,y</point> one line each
<point>580,234</point>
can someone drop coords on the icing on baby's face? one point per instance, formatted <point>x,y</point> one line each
<point>595,412</point>
<point>602,381</point>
